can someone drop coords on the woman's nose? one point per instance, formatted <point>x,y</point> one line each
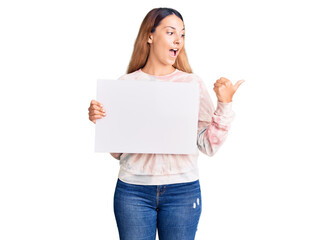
<point>177,40</point>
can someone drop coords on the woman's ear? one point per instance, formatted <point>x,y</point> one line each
<point>150,39</point>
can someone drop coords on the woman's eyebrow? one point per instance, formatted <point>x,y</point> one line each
<point>172,27</point>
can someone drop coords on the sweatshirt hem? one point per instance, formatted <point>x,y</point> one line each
<point>131,178</point>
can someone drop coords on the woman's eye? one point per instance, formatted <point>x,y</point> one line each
<point>170,33</point>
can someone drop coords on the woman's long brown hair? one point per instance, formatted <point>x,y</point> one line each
<point>141,46</point>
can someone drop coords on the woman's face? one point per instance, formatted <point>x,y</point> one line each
<point>168,36</point>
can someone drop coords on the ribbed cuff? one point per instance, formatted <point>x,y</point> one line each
<point>223,114</point>
<point>223,108</point>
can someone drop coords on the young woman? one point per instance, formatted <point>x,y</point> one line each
<point>162,191</point>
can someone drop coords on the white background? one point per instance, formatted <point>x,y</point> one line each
<point>271,179</point>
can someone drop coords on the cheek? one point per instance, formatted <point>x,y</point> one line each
<point>163,48</point>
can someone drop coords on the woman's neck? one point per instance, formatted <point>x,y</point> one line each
<point>158,70</point>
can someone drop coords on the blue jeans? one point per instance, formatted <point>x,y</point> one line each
<point>173,209</point>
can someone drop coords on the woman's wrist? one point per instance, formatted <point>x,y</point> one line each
<point>225,100</point>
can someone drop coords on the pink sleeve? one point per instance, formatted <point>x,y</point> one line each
<point>213,125</point>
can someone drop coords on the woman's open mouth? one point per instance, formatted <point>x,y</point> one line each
<point>173,52</point>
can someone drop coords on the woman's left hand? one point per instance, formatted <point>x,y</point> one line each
<point>224,89</point>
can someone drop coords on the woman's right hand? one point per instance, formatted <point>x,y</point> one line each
<point>96,111</point>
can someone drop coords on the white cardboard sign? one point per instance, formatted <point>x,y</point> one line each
<point>147,117</point>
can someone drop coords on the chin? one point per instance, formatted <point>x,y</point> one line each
<point>172,62</point>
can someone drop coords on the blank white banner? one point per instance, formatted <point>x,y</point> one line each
<point>147,117</point>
